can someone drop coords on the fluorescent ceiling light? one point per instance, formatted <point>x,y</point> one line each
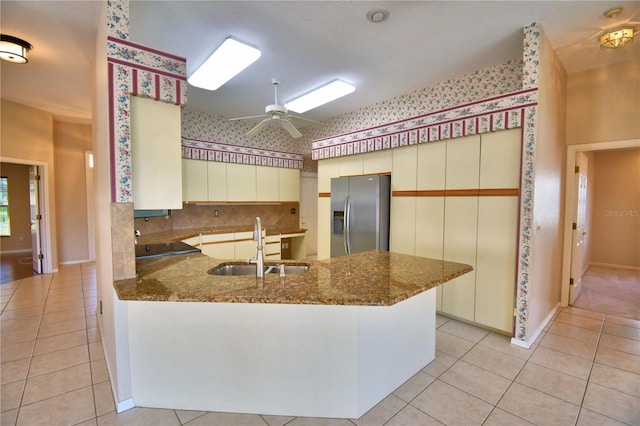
<point>327,93</point>
<point>227,61</point>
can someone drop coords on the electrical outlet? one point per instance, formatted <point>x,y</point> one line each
<point>216,213</point>
<point>293,210</point>
<point>101,307</point>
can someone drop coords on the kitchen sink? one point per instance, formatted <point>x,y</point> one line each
<point>229,269</point>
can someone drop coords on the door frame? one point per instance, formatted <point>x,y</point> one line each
<point>45,196</point>
<point>569,203</point>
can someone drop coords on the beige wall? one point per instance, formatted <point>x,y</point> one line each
<point>603,104</point>
<point>548,215</point>
<point>27,134</point>
<point>615,232</point>
<point>18,180</point>
<point>70,143</point>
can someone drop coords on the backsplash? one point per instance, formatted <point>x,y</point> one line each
<point>273,216</point>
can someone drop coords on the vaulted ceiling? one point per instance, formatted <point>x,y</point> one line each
<point>304,44</point>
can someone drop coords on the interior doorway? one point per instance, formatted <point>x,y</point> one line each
<point>45,215</point>
<point>571,204</point>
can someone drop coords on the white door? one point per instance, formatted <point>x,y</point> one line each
<point>309,210</point>
<point>579,230</point>
<point>36,217</point>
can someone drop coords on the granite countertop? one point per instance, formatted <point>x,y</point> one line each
<point>183,234</point>
<point>373,278</point>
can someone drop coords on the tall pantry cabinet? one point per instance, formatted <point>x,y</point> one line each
<point>456,200</point>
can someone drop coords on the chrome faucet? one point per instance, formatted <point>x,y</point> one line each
<point>259,259</point>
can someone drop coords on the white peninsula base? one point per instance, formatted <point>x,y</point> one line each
<point>278,359</point>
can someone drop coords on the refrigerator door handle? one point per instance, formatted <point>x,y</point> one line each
<point>347,225</point>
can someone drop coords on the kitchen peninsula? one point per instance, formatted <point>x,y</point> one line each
<point>330,342</point>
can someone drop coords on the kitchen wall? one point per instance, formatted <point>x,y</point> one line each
<point>603,104</point>
<point>615,231</point>
<point>27,134</point>
<point>548,201</point>
<point>71,140</point>
<point>18,185</point>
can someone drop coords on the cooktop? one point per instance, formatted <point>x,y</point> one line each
<point>164,249</point>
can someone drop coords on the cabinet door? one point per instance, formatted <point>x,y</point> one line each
<point>156,155</point>
<point>463,163</point>
<point>351,165</point>
<point>289,184</point>
<point>219,246</point>
<point>460,234</point>
<point>327,169</point>
<point>405,163</point>
<point>267,186</point>
<point>324,228</point>
<point>496,261</point>
<point>217,181</point>
<point>432,166</point>
<point>402,231</point>
<point>431,174</point>
<point>241,182</point>
<point>500,159</point>
<point>272,247</point>
<point>380,162</point>
<point>245,248</point>
<point>194,180</point>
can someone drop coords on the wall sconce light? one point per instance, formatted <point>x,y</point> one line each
<point>14,49</point>
<point>617,37</point>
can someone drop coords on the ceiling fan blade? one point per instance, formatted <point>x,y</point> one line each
<point>304,120</point>
<point>290,128</point>
<point>258,127</point>
<point>245,118</point>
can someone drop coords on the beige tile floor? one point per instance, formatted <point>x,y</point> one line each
<point>584,370</point>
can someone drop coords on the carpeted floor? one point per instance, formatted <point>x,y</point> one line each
<point>614,291</point>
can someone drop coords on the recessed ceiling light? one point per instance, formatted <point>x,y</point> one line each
<point>320,96</point>
<point>226,62</point>
<point>377,15</point>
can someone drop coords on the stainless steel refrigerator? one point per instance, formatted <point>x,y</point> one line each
<point>359,214</point>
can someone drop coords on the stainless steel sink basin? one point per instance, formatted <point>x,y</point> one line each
<point>229,269</point>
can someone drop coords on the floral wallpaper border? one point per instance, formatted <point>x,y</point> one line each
<point>195,149</point>
<point>498,113</point>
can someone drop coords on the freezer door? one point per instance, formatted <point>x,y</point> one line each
<point>339,194</point>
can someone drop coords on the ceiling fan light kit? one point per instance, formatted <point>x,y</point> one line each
<point>227,61</point>
<point>278,114</point>
<point>320,96</point>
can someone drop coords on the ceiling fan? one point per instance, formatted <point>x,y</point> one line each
<point>279,114</point>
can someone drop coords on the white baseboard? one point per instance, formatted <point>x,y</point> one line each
<point>613,265</point>
<point>121,406</point>
<point>74,262</point>
<point>15,251</point>
<point>527,344</point>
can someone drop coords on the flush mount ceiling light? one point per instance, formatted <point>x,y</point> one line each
<point>226,62</point>
<point>14,49</point>
<point>618,36</point>
<point>377,15</point>
<point>320,96</point>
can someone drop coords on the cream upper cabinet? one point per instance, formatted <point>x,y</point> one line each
<point>156,154</point>
<point>289,184</point>
<point>463,162</point>
<point>377,163</point>
<point>500,159</point>
<point>241,182</point>
<point>194,180</point>
<point>327,169</point>
<point>352,165</point>
<point>216,181</point>
<point>432,166</point>
<point>267,184</point>
<point>405,164</point>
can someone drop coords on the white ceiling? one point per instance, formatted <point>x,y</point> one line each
<point>304,44</point>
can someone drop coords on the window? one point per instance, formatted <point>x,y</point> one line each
<point>5,228</point>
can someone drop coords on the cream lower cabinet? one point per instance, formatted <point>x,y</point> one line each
<point>220,246</point>
<point>244,245</point>
<point>402,238</point>
<point>272,247</point>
